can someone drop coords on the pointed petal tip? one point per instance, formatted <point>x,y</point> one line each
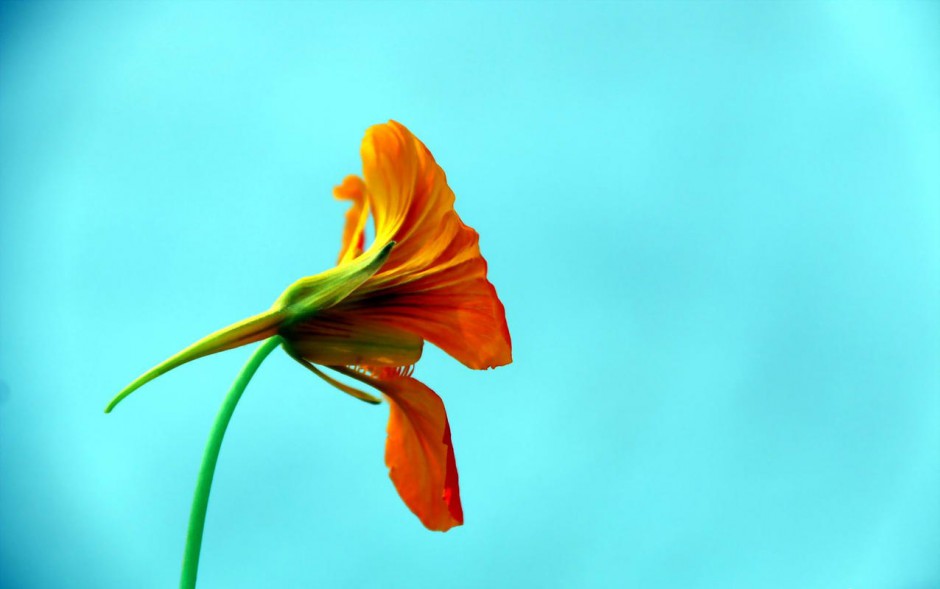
<point>448,527</point>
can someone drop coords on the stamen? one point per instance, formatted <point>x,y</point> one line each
<point>385,372</point>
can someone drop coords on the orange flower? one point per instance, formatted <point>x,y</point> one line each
<point>422,279</point>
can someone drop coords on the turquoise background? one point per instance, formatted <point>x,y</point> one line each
<point>715,228</point>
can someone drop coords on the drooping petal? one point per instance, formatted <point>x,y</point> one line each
<point>420,455</point>
<point>434,282</point>
<point>418,451</point>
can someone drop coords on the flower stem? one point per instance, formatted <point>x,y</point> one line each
<point>197,515</point>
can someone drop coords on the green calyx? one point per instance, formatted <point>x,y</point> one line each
<point>308,295</point>
<point>300,302</point>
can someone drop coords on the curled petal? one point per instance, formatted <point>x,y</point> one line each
<point>353,189</point>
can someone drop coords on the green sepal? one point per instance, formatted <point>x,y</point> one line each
<point>308,295</point>
<point>351,391</point>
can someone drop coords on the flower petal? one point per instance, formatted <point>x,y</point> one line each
<point>456,309</point>
<point>434,282</point>
<point>353,189</point>
<point>420,455</point>
<point>418,451</point>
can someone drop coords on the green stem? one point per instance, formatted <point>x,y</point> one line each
<point>197,515</point>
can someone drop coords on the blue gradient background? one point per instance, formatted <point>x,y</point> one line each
<point>715,228</point>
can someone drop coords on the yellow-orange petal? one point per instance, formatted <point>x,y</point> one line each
<point>463,317</point>
<point>409,197</point>
<point>434,282</point>
<point>419,453</point>
<point>352,189</point>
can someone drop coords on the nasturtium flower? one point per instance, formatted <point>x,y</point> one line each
<point>421,279</point>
